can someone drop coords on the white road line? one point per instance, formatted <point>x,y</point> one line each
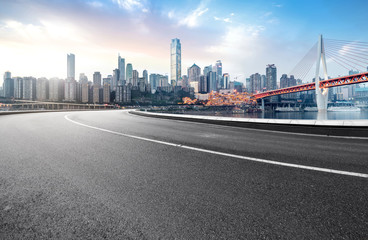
<point>252,129</point>
<point>355,174</point>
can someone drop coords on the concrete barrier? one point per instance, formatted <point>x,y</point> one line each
<point>344,128</point>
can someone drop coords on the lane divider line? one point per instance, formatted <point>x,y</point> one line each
<point>319,169</point>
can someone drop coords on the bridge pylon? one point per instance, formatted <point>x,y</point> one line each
<point>321,94</point>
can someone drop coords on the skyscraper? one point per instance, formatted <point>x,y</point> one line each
<point>271,79</point>
<point>220,81</point>
<point>129,73</point>
<point>145,76</point>
<point>271,76</point>
<point>71,67</point>
<point>193,73</point>
<point>226,79</point>
<point>175,61</point>
<point>8,85</point>
<point>121,67</point>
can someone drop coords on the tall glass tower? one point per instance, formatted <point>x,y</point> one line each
<point>71,66</point>
<point>121,67</point>
<point>129,73</point>
<point>175,61</point>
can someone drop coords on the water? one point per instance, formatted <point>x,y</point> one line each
<point>293,115</point>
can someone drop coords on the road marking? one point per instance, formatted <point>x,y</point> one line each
<point>355,174</point>
<point>252,129</point>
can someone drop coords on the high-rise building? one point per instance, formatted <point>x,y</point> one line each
<point>145,76</point>
<point>70,66</point>
<point>207,69</point>
<point>115,79</point>
<point>175,61</point>
<point>202,87</point>
<point>271,77</point>
<point>211,81</point>
<point>220,81</point>
<point>129,73</point>
<point>56,89</point>
<point>135,78</point>
<point>97,79</point>
<point>8,85</point>
<point>121,67</point>
<point>83,78</point>
<point>193,73</point>
<point>18,88</point>
<point>96,87</point>
<point>42,89</point>
<point>226,79</point>
<point>106,90</point>
<point>255,83</point>
<point>29,88</point>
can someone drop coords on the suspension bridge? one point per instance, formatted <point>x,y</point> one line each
<point>350,55</point>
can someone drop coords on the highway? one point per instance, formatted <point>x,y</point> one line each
<point>114,175</point>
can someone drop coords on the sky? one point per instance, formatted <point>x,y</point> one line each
<point>36,36</point>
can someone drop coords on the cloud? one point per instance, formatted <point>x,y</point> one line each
<point>131,5</point>
<point>227,20</point>
<point>95,4</point>
<point>191,20</point>
<point>237,39</point>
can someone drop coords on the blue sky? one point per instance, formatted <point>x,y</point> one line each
<point>35,36</point>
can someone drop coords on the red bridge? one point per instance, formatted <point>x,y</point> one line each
<point>333,82</point>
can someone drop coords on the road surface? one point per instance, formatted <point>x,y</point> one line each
<point>110,174</point>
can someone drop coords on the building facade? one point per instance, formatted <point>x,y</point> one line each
<point>175,61</point>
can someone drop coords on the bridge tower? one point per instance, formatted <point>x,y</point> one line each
<point>321,94</point>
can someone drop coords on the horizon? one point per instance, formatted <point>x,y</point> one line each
<point>36,36</point>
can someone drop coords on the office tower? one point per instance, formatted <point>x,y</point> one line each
<point>226,79</point>
<point>56,89</point>
<point>106,90</point>
<point>8,85</point>
<point>18,88</point>
<point>96,87</point>
<point>255,83</point>
<point>29,88</point>
<point>129,73</point>
<point>141,84</point>
<point>135,78</point>
<point>175,61</point>
<point>211,81</point>
<point>202,88</point>
<point>115,79</point>
<point>207,69</point>
<point>145,76</point>
<point>42,89</point>
<point>121,67</point>
<point>70,91</point>
<point>193,73</point>
<point>83,78</point>
<point>271,80</point>
<point>263,83</point>
<point>271,76</point>
<point>84,92</point>
<point>220,81</point>
<point>248,85</point>
<point>97,79</point>
<point>163,81</point>
<point>71,67</point>
<point>154,81</point>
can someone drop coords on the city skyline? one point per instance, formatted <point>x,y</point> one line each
<point>35,36</point>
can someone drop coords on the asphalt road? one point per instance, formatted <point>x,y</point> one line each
<point>95,175</point>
